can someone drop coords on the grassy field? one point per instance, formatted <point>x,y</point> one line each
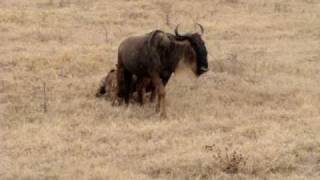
<point>254,115</point>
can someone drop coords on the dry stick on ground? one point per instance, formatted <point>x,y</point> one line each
<point>166,8</point>
<point>45,99</point>
<point>106,33</point>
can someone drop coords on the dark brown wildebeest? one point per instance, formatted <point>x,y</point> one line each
<point>155,56</point>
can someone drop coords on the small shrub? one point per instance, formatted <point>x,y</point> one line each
<point>230,161</point>
<point>281,7</point>
<point>231,64</point>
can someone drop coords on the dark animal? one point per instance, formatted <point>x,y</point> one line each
<point>155,56</point>
<point>108,87</point>
<point>142,86</point>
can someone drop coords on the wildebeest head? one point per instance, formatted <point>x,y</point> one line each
<point>171,48</point>
<point>198,46</point>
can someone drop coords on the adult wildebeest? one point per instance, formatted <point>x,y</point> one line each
<point>155,56</point>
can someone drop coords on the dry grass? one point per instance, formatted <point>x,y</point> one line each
<point>255,115</point>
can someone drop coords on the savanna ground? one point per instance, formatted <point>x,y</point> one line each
<point>254,115</point>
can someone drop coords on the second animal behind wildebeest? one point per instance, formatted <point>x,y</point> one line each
<point>156,56</point>
<point>108,88</point>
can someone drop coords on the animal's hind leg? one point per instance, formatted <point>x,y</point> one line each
<point>120,85</point>
<point>161,96</point>
<point>127,84</point>
<point>140,87</point>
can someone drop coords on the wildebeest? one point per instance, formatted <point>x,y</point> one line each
<point>108,85</point>
<point>108,88</point>
<point>156,55</point>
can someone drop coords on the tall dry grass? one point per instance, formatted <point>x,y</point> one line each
<point>254,115</point>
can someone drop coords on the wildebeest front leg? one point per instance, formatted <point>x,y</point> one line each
<point>160,107</point>
<point>127,84</point>
<point>120,85</point>
<point>143,85</point>
<point>141,90</point>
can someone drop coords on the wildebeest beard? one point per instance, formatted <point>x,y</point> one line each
<point>200,50</point>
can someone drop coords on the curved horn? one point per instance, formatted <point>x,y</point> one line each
<point>201,28</point>
<point>176,31</point>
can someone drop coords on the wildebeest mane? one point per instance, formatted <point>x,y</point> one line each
<point>151,40</point>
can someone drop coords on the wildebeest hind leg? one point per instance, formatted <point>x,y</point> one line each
<point>141,90</point>
<point>127,83</point>
<point>120,86</point>
<point>161,96</point>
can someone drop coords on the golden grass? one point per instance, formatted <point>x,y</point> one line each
<point>254,115</point>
